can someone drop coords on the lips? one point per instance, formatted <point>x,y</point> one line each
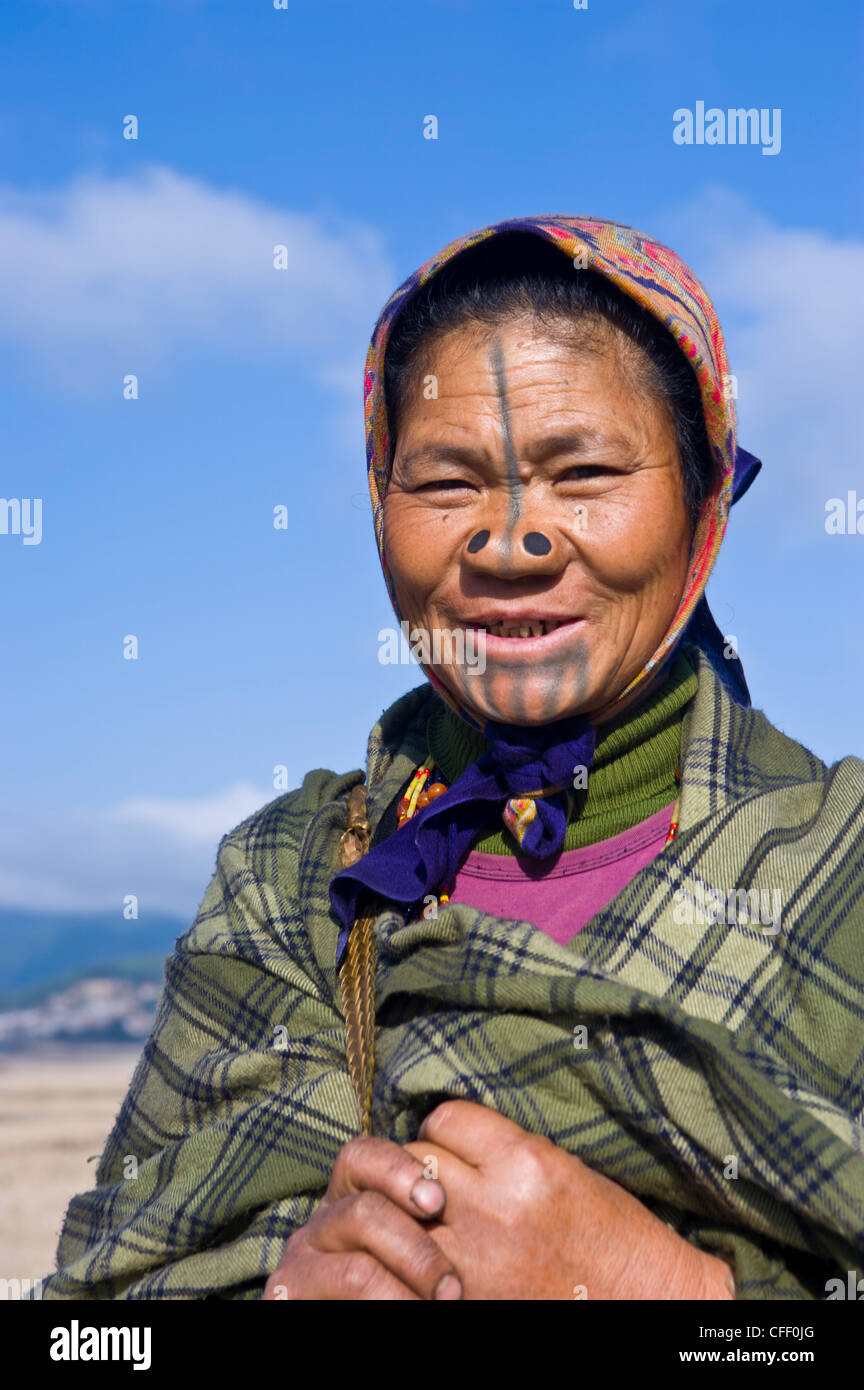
<point>530,637</point>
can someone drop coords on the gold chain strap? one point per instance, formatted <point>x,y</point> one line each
<point>357,972</point>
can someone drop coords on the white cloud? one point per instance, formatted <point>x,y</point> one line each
<point>108,271</point>
<point>198,821</point>
<point>789,301</point>
<point>161,849</point>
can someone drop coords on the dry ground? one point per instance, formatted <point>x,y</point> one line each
<point>57,1107</point>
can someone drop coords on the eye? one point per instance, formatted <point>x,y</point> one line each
<point>588,473</point>
<point>442,484</point>
<point>586,470</point>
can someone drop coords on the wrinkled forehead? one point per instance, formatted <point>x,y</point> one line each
<point>519,393</point>
<point>651,274</point>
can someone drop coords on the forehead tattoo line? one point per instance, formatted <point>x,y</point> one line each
<point>496,362</point>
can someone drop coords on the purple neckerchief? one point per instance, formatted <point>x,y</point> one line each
<point>422,856</point>
<point>746,468</point>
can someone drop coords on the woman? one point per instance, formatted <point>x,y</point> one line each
<point>606,942</point>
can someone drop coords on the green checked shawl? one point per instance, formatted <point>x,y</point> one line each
<point>710,1048</point>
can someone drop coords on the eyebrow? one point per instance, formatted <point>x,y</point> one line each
<point>585,441</point>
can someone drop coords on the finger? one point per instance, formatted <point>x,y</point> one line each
<point>355,1275</point>
<point>387,1168</point>
<point>472,1132</point>
<point>457,1178</point>
<point>370,1222</point>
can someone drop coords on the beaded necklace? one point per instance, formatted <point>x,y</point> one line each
<point>415,799</point>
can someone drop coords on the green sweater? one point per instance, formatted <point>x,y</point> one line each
<point>632,775</point>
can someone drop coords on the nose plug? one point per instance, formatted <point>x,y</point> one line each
<point>533,541</point>
<point>536,543</point>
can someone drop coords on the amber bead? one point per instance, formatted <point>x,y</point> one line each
<point>436,789</point>
<point>422,800</point>
<point>403,806</point>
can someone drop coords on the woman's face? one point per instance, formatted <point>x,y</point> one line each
<point>537,496</point>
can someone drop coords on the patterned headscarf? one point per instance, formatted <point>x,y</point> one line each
<point>523,776</point>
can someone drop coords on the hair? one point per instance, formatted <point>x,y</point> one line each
<point>518,274</point>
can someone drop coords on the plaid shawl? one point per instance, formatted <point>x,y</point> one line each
<point>721,1081</point>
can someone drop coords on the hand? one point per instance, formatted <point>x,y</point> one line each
<point>526,1220</point>
<point>367,1238</point>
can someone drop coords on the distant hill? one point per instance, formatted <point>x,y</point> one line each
<point>93,1010</point>
<point>41,952</point>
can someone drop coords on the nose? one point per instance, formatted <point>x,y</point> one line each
<point>520,550</point>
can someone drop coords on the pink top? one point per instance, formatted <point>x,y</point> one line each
<point>560,898</point>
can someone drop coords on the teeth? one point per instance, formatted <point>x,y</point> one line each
<point>536,629</point>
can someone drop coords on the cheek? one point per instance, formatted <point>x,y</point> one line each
<point>418,546</point>
<point>638,538</point>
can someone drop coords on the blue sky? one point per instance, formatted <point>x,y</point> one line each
<point>304,126</point>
